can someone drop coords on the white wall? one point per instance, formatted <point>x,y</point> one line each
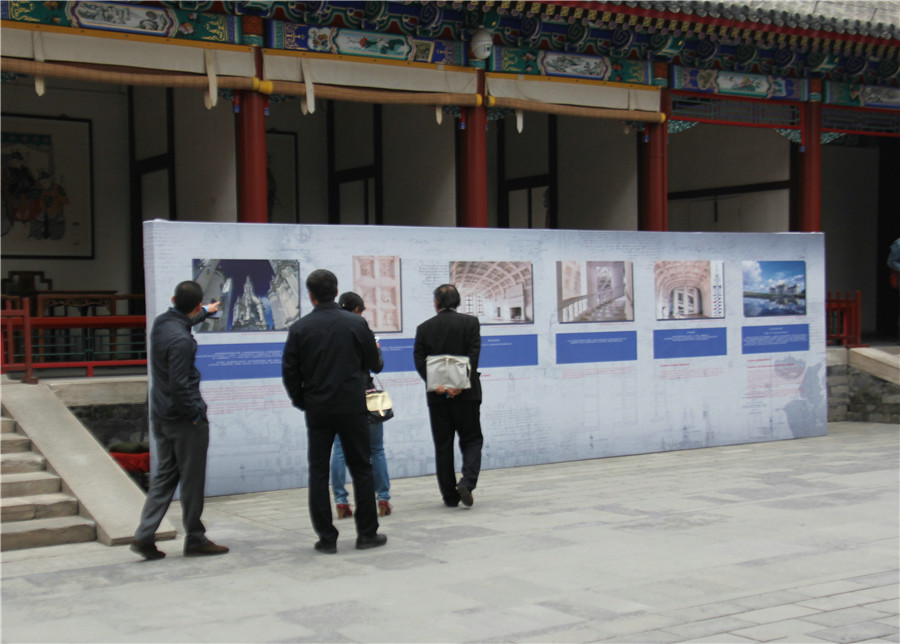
<point>205,191</point>
<point>597,175</point>
<point>419,167</point>
<point>106,107</point>
<point>526,151</point>
<point>849,220</point>
<point>717,156</point>
<point>312,174</point>
<point>750,212</point>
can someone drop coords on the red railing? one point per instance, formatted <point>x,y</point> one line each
<point>28,343</point>
<point>842,316</point>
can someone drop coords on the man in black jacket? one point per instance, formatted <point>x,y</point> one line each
<point>327,359</point>
<point>453,410</point>
<point>180,426</point>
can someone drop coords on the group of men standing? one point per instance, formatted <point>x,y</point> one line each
<point>326,361</point>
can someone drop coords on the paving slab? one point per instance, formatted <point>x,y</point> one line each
<point>791,541</point>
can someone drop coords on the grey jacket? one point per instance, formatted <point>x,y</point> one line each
<point>175,385</point>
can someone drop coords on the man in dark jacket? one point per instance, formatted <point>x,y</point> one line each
<point>327,359</point>
<point>180,426</point>
<point>453,411</point>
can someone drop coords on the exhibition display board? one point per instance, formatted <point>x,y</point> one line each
<point>594,343</point>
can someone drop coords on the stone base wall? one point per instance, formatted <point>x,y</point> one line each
<point>855,395</point>
<point>872,399</point>
<point>110,424</point>
<point>838,380</point>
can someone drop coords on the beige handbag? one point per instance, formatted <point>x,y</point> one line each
<point>378,402</point>
<point>450,372</point>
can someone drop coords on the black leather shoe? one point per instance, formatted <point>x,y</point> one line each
<point>465,494</point>
<point>147,550</point>
<point>372,541</point>
<point>326,547</point>
<point>208,548</point>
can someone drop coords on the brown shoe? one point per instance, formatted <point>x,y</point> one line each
<point>147,550</point>
<point>465,494</point>
<point>208,548</point>
<point>370,541</point>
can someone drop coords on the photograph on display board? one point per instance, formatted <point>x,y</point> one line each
<point>256,294</point>
<point>774,288</point>
<point>688,290</point>
<point>495,292</point>
<point>376,279</point>
<point>594,292</point>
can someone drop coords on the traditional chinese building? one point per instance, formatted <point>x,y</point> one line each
<point>705,116</point>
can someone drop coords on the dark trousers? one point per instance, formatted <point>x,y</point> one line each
<point>354,432</point>
<point>447,419</point>
<point>180,457</point>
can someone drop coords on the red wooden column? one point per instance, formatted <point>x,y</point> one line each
<point>809,200</point>
<point>251,152</point>
<point>474,163</point>
<point>655,175</point>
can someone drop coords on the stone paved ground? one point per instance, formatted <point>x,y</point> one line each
<point>793,541</point>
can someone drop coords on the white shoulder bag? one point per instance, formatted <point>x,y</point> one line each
<point>451,372</point>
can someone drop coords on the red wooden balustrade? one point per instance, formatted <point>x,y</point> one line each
<point>842,318</point>
<point>28,343</point>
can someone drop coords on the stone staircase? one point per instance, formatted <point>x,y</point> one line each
<point>34,509</point>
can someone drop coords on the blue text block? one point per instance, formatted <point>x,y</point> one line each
<point>508,351</point>
<point>772,339</point>
<point>398,355</point>
<point>612,346</point>
<point>239,361</point>
<point>689,343</point>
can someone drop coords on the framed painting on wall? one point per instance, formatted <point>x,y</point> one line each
<point>47,193</point>
<point>281,177</point>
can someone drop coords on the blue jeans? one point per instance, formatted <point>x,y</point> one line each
<point>379,467</point>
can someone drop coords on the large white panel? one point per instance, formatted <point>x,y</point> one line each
<point>553,390</point>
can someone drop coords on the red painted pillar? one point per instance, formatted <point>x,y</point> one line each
<point>474,162</point>
<point>251,153</point>
<point>655,175</point>
<point>809,201</point>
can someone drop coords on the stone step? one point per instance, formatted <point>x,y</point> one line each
<point>54,531</point>
<point>37,506</point>
<point>19,462</point>
<point>11,442</point>
<point>29,483</point>
<point>7,425</point>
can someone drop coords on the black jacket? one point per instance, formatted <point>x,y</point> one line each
<point>452,333</point>
<point>327,359</point>
<point>175,385</point>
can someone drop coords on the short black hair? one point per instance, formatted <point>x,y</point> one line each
<point>350,301</point>
<point>188,295</point>
<point>446,296</point>
<point>322,285</point>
